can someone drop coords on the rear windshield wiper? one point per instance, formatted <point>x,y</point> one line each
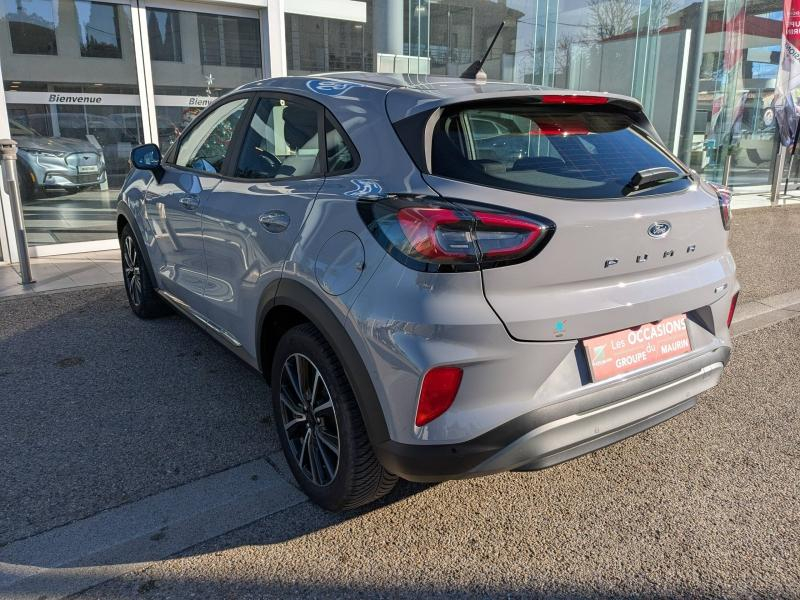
<point>647,178</point>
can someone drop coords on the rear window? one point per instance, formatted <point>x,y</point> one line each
<point>579,152</point>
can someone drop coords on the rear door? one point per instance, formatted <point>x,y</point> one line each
<point>254,215</point>
<point>621,255</point>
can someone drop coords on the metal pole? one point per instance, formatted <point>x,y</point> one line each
<point>8,155</point>
<point>726,171</point>
<point>777,175</point>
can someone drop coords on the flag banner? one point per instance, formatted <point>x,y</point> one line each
<point>786,87</point>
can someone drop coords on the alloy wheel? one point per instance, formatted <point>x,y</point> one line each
<point>309,419</point>
<point>132,269</point>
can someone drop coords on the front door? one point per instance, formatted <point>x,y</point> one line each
<point>176,199</point>
<point>254,216</point>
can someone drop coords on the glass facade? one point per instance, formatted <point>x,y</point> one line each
<point>196,57</point>
<point>72,96</point>
<point>704,70</point>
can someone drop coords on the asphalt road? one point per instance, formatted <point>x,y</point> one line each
<point>707,504</point>
<point>99,408</point>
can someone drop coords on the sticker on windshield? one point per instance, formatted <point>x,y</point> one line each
<point>329,88</point>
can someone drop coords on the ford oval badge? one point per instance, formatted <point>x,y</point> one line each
<point>659,229</point>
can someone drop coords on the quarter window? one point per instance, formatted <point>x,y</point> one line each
<point>340,158</point>
<point>282,140</point>
<point>206,145</point>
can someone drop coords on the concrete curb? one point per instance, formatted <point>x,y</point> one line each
<point>69,559</point>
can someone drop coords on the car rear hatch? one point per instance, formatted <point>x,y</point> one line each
<point>636,238</point>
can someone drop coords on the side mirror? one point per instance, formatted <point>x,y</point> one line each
<point>146,157</point>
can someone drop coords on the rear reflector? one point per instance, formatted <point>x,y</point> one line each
<point>574,99</point>
<point>732,308</point>
<point>439,388</point>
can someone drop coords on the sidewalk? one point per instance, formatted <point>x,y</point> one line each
<point>64,272</point>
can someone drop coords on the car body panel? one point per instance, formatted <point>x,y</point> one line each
<point>242,256</point>
<point>390,324</point>
<point>173,210</point>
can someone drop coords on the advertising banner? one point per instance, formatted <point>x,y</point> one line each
<point>786,87</point>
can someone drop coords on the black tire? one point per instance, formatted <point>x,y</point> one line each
<point>27,189</point>
<point>357,478</point>
<point>142,296</point>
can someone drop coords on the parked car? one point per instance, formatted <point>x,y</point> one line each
<point>55,163</point>
<point>420,311</point>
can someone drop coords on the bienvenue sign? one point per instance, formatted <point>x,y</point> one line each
<point>13,97</point>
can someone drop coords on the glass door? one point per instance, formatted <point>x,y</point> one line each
<point>195,58</point>
<point>72,94</point>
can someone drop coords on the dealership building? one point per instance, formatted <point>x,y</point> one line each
<point>85,81</point>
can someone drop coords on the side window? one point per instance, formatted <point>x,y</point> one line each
<point>340,158</point>
<point>204,148</point>
<point>282,140</point>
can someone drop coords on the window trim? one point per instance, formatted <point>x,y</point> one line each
<point>228,169</point>
<point>170,156</point>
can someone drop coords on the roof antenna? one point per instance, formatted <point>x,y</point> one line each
<point>475,70</point>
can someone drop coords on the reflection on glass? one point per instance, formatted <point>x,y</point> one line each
<point>229,41</point>
<point>99,29</point>
<point>164,31</point>
<point>196,58</point>
<point>32,26</point>
<point>73,110</point>
<point>315,44</point>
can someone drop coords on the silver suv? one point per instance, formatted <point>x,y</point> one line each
<point>430,301</point>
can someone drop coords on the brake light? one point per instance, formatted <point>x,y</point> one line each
<point>439,388</point>
<point>552,129</point>
<point>431,234</point>
<point>573,99</point>
<point>732,309</point>
<point>505,236</point>
<point>435,232</point>
<point>724,197</point>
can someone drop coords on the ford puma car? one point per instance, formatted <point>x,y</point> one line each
<point>438,278</point>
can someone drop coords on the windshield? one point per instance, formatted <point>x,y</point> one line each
<point>18,129</point>
<point>576,151</point>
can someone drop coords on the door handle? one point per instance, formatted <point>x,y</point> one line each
<point>275,221</point>
<point>189,202</point>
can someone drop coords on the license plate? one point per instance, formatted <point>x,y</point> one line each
<point>623,351</point>
<point>87,169</point>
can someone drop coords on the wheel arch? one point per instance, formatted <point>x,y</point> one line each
<point>293,304</point>
<point>125,217</point>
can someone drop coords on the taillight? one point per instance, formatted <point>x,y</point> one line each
<point>436,235</point>
<point>439,388</point>
<point>732,309</point>
<point>724,197</point>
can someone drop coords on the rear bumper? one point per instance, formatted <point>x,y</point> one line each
<point>577,425</point>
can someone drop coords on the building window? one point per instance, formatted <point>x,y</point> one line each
<point>164,31</point>
<point>229,41</point>
<point>98,28</point>
<point>319,44</point>
<point>32,26</point>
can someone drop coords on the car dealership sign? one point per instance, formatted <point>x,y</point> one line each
<point>13,97</point>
